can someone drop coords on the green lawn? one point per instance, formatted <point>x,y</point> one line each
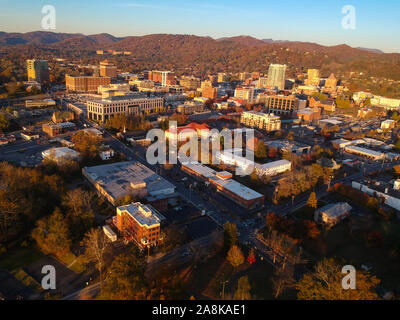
<point>19,257</point>
<point>27,280</point>
<point>74,263</point>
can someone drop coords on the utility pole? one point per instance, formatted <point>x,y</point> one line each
<point>223,288</point>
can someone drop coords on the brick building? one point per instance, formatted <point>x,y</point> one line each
<point>140,223</point>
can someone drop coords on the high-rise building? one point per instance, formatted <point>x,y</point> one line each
<point>276,76</point>
<point>210,92</point>
<point>313,77</point>
<point>331,82</point>
<point>166,78</point>
<point>38,70</point>
<point>85,83</point>
<point>108,69</point>
<point>223,77</point>
<point>262,82</point>
<point>283,105</point>
<point>244,75</point>
<point>245,94</point>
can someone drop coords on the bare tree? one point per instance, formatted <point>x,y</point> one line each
<point>79,201</point>
<point>282,280</point>
<point>97,248</point>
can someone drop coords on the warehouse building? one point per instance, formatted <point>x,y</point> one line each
<point>59,154</point>
<point>117,180</point>
<point>234,157</point>
<point>370,154</point>
<point>224,183</point>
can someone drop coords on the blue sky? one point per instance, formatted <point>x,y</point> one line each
<point>377,22</point>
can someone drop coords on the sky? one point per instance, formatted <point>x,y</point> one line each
<point>377,23</point>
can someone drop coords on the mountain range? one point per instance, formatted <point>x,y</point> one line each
<point>204,54</point>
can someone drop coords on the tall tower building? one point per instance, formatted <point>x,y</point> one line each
<point>313,77</point>
<point>108,69</point>
<point>38,70</point>
<point>276,76</point>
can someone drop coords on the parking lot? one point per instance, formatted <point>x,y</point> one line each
<point>24,153</point>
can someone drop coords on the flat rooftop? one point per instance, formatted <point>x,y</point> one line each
<point>145,215</point>
<point>274,164</point>
<point>228,184</point>
<point>117,178</point>
<point>62,152</point>
<point>364,151</point>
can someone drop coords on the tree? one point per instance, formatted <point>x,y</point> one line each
<point>97,248</point>
<point>125,278</point>
<point>261,150</point>
<point>312,201</point>
<point>308,229</point>
<point>4,122</point>
<point>87,144</point>
<point>375,239</point>
<point>235,256</point>
<point>80,209</point>
<point>325,283</point>
<point>282,280</point>
<point>272,152</point>
<point>52,233</point>
<point>243,289</point>
<point>252,257</point>
<point>230,235</point>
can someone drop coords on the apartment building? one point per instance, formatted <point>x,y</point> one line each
<point>210,92</point>
<point>166,78</point>
<point>263,121</point>
<point>282,105</point>
<point>246,94</point>
<point>140,223</point>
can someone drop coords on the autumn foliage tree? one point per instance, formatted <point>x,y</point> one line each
<point>26,195</point>
<point>230,235</point>
<point>312,201</point>
<point>325,283</point>
<point>251,257</point>
<point>87,144</point>
<point>243,289</point>
<point>52,233</point>
<point>125,278</point>
<point>235,256</point>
